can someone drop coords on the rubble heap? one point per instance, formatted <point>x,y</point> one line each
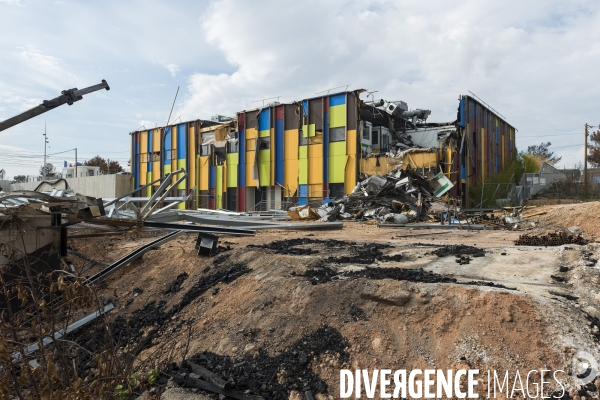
<point>400,197</point>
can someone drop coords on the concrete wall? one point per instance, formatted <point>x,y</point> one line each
<point>105,186</point>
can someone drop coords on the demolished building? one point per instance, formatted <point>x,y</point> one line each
<point>320,148</point>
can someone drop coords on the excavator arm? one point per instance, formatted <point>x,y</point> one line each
<point>69,97</point>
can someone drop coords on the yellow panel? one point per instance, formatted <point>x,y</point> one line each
<point>291,177</point>
<point>272,148</point>
<point>291,165</point>
<point>315,163</point>
<point>251,133</point>
<point>192,156</point>
<point>143,142</point>
<point>337,116</point>
<point>155,172</point>
<point>350,181</point>
<point>250,144</point>
<point>143,173</point>
<point>315,190</point>
<point>203,172</point>
<point>156,140</point>
<point>250,181</point>
<point>232,169</point>
<point>309,130</point>
<point>166,169</point>
<point>351,142</point>
<point>264,133</point>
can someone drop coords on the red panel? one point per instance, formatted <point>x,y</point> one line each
<point>241,199</point>
<point>325,190</point>
<point>279,112</point>
<point>241,121</point>
<point>326,104</point>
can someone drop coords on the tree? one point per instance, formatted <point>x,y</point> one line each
<point>594,149</point>
<point>20,178</point>
<point>98,161</point>
<point>48,171</point>
<point>543,152</point>
<point>2,173</point>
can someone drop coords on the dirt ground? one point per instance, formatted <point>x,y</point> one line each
<point>301,305</point>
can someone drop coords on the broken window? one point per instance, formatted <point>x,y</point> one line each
<point>232,146</point>
<point>264,143</point>
<point>303,140</point>
<point>204,150</point>
<point>337,134</point>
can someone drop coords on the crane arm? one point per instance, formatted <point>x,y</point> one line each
<point>69,97</point>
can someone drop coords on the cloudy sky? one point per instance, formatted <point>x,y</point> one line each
<point>537,62</point>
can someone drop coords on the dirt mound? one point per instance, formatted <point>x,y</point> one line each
<point>584,215</point>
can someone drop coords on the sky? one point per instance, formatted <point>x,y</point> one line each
<point>537,62</point>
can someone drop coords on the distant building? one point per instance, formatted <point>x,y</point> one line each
<point>69,172</point>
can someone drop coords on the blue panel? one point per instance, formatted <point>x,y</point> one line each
<point>510,145</point>
<point>279,152</point>
<point>303,194</point>
<point>181,142</point>
<point>461,108</point>
<point>305,107</point>
<point>325,147</point>
<point>167,146</point>
<point>497,164</point>
<point>337,100</point>
<point>149,151</point>
<point>212,177</point>
<point>264,119</point>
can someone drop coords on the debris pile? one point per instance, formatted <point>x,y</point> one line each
<point>400,197</point>
<point>260,375</point>
<point>550,239</point>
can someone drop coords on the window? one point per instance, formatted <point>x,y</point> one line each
<point>264,143</point>
<point>337,134</point>
<point>232,146</point>
<point>303,140</point>
<point>375,139</point>
<point>366,133</point>
<point>144,157</point>
<point>204,150</point>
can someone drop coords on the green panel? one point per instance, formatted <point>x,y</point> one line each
<point>337,149</point>
<point>264,167</point>
<point>337,116</point>
<point>219,187</point>
<point>232,169</point>
<point>264,133</point>
<point>337,165</point>
<point>303,173</point>
<point>303,152</point>
<point>309,130</point>
<point>181,164</point>
<point>149,188</point>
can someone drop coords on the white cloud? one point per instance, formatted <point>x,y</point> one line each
<point>533,61</point>
<point>172,68</point>
<point>12,2</point>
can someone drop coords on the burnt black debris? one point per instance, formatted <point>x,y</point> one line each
<point>137,291</point>
<point>486,283</point>
<point>563,269</point>
<point>462,260</point>
<point>175,286</point>
<point>293,246</point>
<point>458,250</point>
<point>558,278</point>
<point>566,296</point>
<point>153,315</point>
<point>356,313</point>
<point>550,239</point>
<point>274,377</point>
<point>327,274</point>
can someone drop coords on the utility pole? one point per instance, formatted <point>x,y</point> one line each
<point>585,162</point>
<point>45,143</point>
<point>75,162</point>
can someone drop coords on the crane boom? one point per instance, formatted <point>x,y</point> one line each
<point>69,97</point>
